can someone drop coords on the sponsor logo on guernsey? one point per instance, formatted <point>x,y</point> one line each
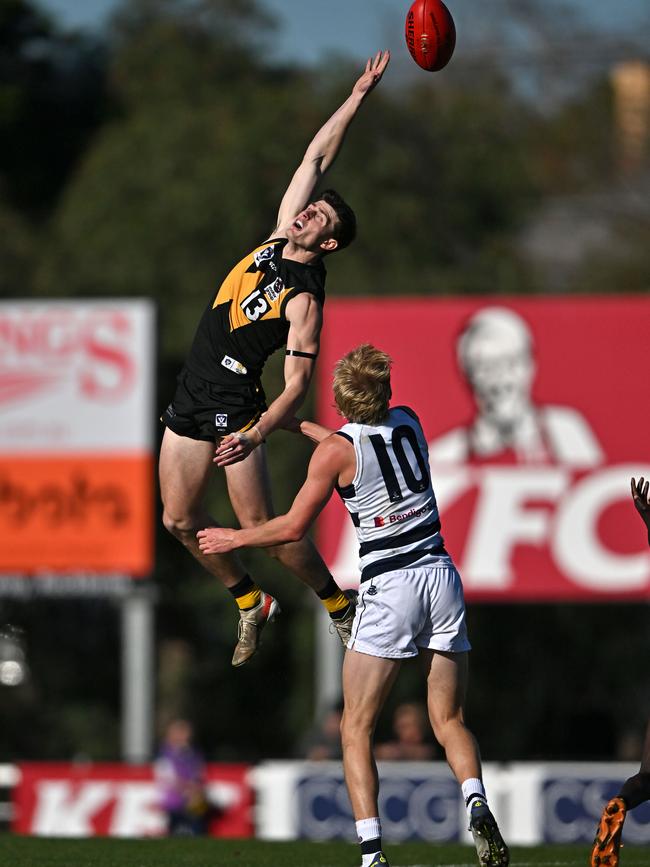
<point>402,516</point>
<point>234,365</point>
<point>275,289</point>
<point>263,255</point>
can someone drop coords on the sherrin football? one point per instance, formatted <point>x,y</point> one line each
<point>430,34</point>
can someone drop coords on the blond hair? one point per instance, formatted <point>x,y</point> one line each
<point>362,385</point>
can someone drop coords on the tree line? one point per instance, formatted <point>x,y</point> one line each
<point>141,162</point>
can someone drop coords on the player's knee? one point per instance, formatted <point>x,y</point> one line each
<point>177,523</point>
<point>275,552</point>
<point>355,725</point>
<point>254,516</point>
<point>444,726</point>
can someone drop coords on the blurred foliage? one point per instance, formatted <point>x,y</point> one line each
<point>52,97</point>
<point>143,165</point>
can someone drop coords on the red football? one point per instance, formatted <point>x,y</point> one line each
<point>430,34</point>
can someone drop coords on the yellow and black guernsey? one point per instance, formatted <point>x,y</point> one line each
<point>246,321</point>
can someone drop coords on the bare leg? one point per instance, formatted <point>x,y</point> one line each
<point>367,681</point>
<point>636,790</point>
<point>250,495</point>
<point>446,688</point>
<point>645,760</point>
<point>185,468</point>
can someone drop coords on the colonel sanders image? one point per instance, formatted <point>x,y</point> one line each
<point>496,356</point>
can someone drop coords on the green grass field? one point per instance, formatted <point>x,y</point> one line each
<point>33,852</point>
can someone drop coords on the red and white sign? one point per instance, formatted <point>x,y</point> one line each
<point>537,413</point>
<point>64,800</point>
<point>76,436</point>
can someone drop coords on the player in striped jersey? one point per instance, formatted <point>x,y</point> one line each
<point>411,597</point>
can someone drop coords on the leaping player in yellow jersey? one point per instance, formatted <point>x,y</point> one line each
<point>273,297</point>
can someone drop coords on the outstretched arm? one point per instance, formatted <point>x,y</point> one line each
<point>310,429</point>
<point>327,462</point>
<point>642,501</point>
<point>326,144</point>
<point>304,314</point>
<point>313,431</point>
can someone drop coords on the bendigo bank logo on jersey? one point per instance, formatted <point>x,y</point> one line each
<point>402,516</point>
<point>537,414</point>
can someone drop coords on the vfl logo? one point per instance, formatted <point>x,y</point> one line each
<point>263,255</point>
<point>221,419</point>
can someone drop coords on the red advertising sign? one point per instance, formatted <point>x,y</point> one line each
<point>537,413</point>
<point>64,800</point>
<point>76,431</point>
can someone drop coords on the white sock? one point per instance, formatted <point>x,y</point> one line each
<point>472,790</point>
<point>369,829</point>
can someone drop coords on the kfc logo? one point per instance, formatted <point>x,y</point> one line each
<point>119,801</point>
<point>535,412</point>
<point>496,356</point>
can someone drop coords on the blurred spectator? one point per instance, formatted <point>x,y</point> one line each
<point>180,776</point>
<point>323,742</point>
<point>411,743</point>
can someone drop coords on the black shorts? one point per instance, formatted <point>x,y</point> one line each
<point>206,411</point>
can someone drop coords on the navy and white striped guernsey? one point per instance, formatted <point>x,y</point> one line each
<point>391,499</point>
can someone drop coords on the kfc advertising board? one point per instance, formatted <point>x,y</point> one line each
<point>537,413</point>
<point>76,430</point>
<point>65,800</point>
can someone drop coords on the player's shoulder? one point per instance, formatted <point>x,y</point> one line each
<point>339,441</point>
<point>406,410</point>
<point>302,307</point>
<point>268,249</point>
<point>334,451</point>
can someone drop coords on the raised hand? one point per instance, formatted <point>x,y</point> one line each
<point>641,499</point>
<point>372,74</point>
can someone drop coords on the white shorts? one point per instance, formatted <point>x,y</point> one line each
<point>402,611</point>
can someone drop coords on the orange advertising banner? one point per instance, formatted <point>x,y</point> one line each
<point>76,439</point>
<point>76,513</point>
